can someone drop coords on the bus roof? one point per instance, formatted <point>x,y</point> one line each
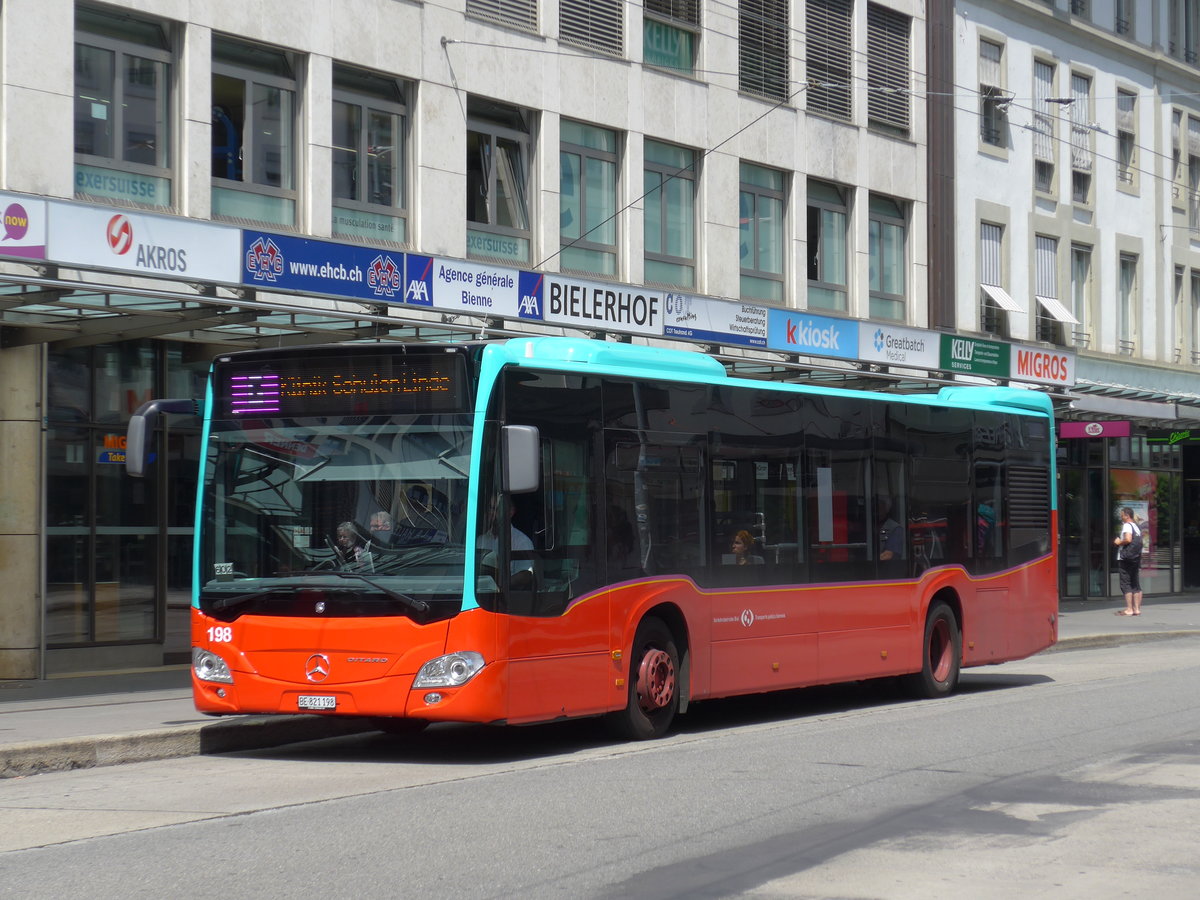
<point>602,357</point>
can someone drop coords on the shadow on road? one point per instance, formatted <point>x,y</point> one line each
<point>469,745</point>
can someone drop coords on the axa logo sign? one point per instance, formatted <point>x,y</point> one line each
<point>383,276</point>
<point>419,289</point>
<point>119,233</point>
<point>264,260</point>
<point>529,295</point>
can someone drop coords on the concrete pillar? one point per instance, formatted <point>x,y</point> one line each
<point>20,512</point>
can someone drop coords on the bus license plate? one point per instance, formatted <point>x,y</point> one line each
<point>317,701</point>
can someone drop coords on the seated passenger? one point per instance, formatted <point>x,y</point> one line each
<point>740,555</point>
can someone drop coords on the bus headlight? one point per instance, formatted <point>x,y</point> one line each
<point>451,670</point>
<point>210,667</point>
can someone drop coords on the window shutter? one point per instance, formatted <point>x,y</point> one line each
<point>1043,122</point>
<point>594,24</point>
<point>989,255</point>
<point>887,68</point>
<point>685,11</point>
<point>763,57</point>
<point>828,50</point>
<point>1081,145</point>
<point>1125,107</point>
<point>518,13</point>
<point>989,64</point>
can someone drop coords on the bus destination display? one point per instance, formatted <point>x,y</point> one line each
<point>344,386</point>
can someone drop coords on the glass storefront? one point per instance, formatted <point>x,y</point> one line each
<point>1097,477</point>
<point>118,549</point>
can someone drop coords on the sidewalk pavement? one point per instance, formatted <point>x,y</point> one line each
<point>104,719</point>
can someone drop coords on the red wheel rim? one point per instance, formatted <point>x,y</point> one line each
<point>655,681</point>
<point>941,651</point>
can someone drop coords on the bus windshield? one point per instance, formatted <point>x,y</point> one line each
<point>358,506</point>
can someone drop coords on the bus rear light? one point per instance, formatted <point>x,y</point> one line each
<point>210,667</point>
<point>451,670</point>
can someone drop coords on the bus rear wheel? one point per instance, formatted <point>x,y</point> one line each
<point>653,684</point>
<point>941,654</point>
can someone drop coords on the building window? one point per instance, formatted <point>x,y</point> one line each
<point>995,301</point>
<point>887,69</point>
<point>1184,28</point>
<point>887,264</point>
<point>1195,329</point>
<point>122,110</point>
<point>253,133</point>
<point>594,24</point>
<point>498,167</point>
<point>1081,139</point>
<point>1194,174</point>
<point>368,156</point>
<point>1123,20</point>
<point>671,34</point>
<point>1081,295</point>
<point>830,52</point>
<point>1081,8</point>
<point>588,198</point>
<point>515,13</point>
<point>1043,127</point>
<point>828,215</point>
<point>1176,157</point>
<point>670,219</point>
<point>1053,317</point>
<point>761,211</point>
<point>763,48</point>
<point>1126,309</point>
<point>993,99</point>
<point>1179,316</point>
<point>1126,138</point>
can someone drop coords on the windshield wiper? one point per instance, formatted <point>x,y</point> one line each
<point>411,602</point>
<point>419,606</point>
<point>241,599</point>
<point>441,458</point>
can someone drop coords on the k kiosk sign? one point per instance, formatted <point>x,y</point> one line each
<point>129,241</point>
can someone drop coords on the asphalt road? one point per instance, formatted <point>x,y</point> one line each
<point>1068,775</point>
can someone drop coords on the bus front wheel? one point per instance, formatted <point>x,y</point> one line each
<point>941,654</point>
<point>653,684</point>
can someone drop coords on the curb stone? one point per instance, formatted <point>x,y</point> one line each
<point>240,733</point>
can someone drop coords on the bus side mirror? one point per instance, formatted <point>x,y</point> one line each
<point>520,458</point>
<point>141,430</point>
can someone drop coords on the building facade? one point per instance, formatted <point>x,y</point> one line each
<point>1077,163</point>
<point>180,179</point>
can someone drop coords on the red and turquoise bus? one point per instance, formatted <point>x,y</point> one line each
<point>544,528</point>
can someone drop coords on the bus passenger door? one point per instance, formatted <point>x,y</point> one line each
<point>558,624</point>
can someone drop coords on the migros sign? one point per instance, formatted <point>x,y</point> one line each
<point>1044,366</point>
